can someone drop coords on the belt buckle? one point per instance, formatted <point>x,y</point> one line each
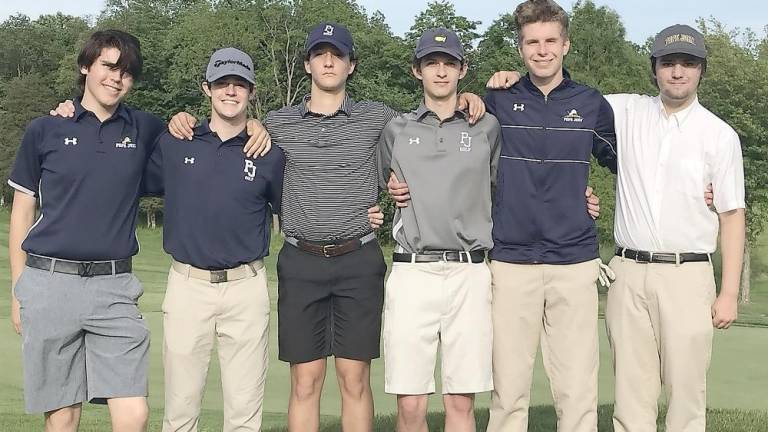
<point>328,250</point>
<point>218,276</point>
<point>85,269</point>
<point>445,256</point>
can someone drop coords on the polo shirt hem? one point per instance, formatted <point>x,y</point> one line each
<point>515,257</point>
<point>21,188</point>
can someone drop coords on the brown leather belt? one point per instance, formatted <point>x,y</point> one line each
<point>331,249</point>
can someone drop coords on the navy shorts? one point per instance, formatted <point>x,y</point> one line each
<point>330,306</point>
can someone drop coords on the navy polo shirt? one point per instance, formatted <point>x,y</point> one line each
<point>217,201</point>
<point>86,175</point>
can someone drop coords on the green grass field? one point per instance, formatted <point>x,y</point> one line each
<point>738,383</point>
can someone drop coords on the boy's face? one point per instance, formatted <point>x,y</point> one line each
<point>440,74</point>
<point>543,48</point>
<point>678,76</point>
<point>329,67</point>
<point>104,82</point>
<point>229,96</point>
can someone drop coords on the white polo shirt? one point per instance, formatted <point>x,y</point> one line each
<point>665,163</point>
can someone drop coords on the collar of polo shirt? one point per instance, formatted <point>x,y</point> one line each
<point>121,111</point>
<point>204,128</point>
<point>423,110</point>
<point>346,106</point>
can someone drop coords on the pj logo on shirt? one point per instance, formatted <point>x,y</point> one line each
<point>249,170</point>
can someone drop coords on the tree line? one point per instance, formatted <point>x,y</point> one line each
<point>37,68</point>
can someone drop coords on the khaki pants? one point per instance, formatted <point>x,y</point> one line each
<point>659,323</point>
<point>197,313</point>
<point>557,306</point>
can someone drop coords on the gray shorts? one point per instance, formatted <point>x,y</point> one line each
<point>83,338</point>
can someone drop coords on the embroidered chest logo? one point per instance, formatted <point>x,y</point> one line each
<point>518,107</point>
<point>328,30</point>
<point>189,161</point>
<point>466,142</point>
<point>573,116</point>
<point>126,143</point>
<point>70,141</point>
<point>249,170</point>
<point>412,141</point>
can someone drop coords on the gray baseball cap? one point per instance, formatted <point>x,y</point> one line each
<point>230,61</point>
<point>439,40</point>
<point>679,39</point>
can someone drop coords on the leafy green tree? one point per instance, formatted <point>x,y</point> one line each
<point>735,88</point>
<point>24,98</point>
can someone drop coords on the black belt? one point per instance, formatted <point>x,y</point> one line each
<point>662,258</point>
<point>475,256</point>
<point>80,268</point>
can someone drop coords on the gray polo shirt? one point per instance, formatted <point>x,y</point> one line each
<point>449,167</point>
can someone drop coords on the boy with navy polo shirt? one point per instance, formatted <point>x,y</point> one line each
<point>76,298</point>
<point>218,208</point>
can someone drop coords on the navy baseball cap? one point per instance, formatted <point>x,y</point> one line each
<point>230,61</point>
<point>332,33</point>
<point>439,40</point>
<point>679,39</point>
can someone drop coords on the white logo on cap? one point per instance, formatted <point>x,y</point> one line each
<point>466,142</point>
<point>518,107</point>
<point>249,170</point>
<point>189,160</point>
<point>328,31</point>
<point>70,141</point>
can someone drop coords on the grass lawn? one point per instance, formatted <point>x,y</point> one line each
<point>738,376</point>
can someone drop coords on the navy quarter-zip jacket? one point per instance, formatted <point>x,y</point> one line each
<point>539,210</point>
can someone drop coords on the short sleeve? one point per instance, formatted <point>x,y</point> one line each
<point>728,174</point>
<point>27,169</point>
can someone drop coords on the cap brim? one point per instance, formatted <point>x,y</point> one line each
<point>436,49</point>
<point>696,52</point>
<point>341,47</point>
<point>223,74</point>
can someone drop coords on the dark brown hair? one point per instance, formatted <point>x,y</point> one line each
<point>533,11</point>
<point>130,60</point>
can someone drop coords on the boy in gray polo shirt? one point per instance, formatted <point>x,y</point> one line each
<point>439,289</point>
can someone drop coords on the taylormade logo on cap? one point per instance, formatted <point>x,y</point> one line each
<point>219,63</point>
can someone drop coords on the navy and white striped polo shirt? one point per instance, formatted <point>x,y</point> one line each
<point>330,172</point>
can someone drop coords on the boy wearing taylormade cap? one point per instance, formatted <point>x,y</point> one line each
<point>218,208</point>
<point>439,290</point>
<point>662,308</point>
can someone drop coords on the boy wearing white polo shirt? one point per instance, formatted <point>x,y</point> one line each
<point>663,305</point>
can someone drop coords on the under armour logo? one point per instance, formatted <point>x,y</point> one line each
<point>466,142</point>
<point>189,160</point>
<point>249,170</point>
<point>518,107</point>
<point>328,30</point>
<point>413,141</point>
<point>70,141</point>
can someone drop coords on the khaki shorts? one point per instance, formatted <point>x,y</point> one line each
<point>430,303</point>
